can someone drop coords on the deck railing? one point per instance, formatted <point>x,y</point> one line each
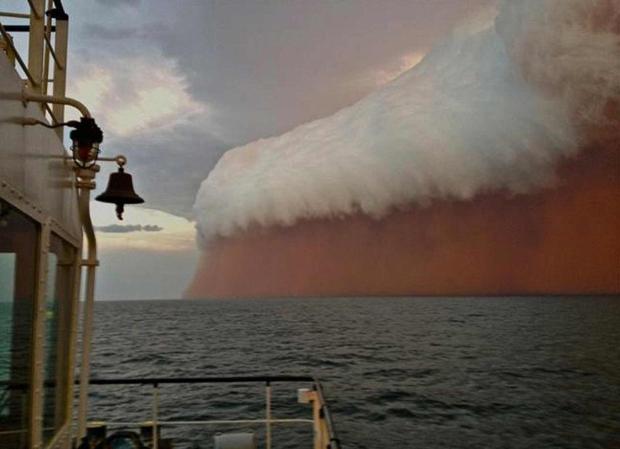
<point>321,421</point>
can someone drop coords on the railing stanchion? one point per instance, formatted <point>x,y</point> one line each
<point>155,415</point>
<point>268,414</point>
<point>316,420</point>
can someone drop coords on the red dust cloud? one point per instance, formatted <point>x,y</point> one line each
<point>562,238</point>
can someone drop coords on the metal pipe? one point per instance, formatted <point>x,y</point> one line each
<point>22,28</point>
<point>13,432</point>
<point>17,15</point>
<point>119,159</point>
<point>29,96</point>
<point>85,184</point>
<point>198,380</point>
<point>215,421</point>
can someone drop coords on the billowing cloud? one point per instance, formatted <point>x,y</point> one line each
<point>389,73</point>
<point>134,95</point>
<point>476,115</point>
<point>174,91</point>
<point>267,67</point>
<point>143,104</point>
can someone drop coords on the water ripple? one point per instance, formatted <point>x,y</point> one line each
<point>399,372</point>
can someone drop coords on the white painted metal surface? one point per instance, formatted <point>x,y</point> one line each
<point>36,179</point>
<point>32,158</point>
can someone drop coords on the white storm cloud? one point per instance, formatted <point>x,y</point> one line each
<point>132,95</point>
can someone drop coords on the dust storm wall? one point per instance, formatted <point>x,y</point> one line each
<point>492,167</point>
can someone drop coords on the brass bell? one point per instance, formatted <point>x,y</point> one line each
<point>120,192</point>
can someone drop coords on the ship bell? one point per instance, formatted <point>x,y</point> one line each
<point>120,192</point>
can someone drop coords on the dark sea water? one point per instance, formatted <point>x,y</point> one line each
<point>398,372</point>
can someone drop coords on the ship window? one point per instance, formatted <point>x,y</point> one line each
<point>58,300</point>
<point>18,255</point>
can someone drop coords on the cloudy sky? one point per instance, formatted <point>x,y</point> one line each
<point>175,84</point>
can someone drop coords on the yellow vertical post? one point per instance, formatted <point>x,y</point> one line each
<point>85,183</point>
<point>316,420</point>
<point>60,68</point>
<point>47,32</point>
<point>35,44</point>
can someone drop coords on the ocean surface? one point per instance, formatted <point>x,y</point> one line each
<point>398,372</point>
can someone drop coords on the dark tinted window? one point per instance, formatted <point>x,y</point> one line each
<point>18,255</point>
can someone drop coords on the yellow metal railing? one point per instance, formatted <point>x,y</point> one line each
<point>323,429</point>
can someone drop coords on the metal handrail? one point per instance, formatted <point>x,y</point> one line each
<point>215,421</point>
<point>17,15</point>
<point>22,28</point>
<point>198,380</point>
<point>333,442</point>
